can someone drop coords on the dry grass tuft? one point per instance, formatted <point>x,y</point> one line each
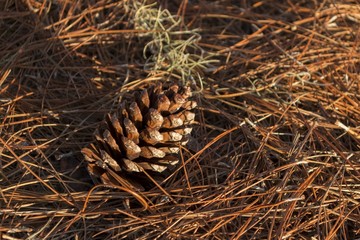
<point>276,151</point>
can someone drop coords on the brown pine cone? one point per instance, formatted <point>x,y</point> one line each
<point>143,139</point>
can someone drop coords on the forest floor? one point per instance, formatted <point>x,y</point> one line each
<point>275,150</point>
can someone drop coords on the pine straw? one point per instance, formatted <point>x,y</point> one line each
<point>277,144</point>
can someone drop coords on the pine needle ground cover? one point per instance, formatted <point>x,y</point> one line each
<point>275,148</point>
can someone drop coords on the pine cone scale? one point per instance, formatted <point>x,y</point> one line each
<point>135,114</point>
<point>114,125</point>
<point>154,119</point>
<point>144,101</point>
<point>152,152</point>
<point>163,103</point>
<point>132,150</point>
<point>131,131</point>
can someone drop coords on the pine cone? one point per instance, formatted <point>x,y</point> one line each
<point>143,139</point>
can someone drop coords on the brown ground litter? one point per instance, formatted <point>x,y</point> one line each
<point>275,153</point>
